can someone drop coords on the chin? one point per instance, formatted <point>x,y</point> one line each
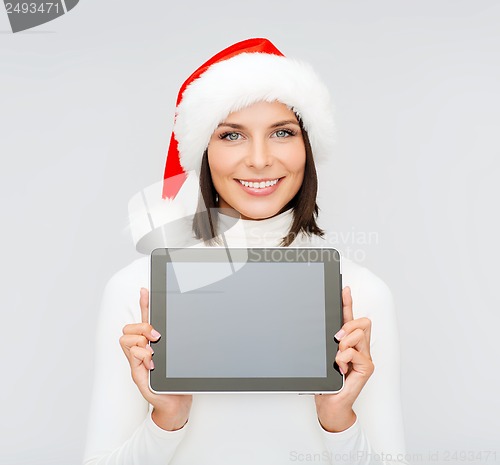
<point>260,213</point>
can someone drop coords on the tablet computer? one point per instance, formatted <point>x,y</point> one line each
<point>246,320</point>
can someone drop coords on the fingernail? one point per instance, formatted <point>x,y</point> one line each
<point>342,371</point>
<point>151,349</point>
<point>339,335</point>
<point>152,365</point>
<point>155,334</point>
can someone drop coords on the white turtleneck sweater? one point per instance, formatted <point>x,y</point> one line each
<point>244,429</point>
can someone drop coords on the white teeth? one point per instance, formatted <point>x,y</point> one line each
<point>259,185</point>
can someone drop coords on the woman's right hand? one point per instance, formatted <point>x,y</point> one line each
<point>170,411</point>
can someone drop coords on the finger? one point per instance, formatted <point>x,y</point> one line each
<point>343,366</point>
<point>144,329</point>
<point>360,363</point>
<point>141,356</point>
<point>359,323</point>
<point>129,340</point>
<point>144,303</point>
<point>358,340</point>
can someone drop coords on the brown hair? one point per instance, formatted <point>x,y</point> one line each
<point>305,208</point>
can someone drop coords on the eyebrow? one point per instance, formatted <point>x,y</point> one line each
<point>275,125</point>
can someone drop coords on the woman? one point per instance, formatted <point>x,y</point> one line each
<point>252,123</point>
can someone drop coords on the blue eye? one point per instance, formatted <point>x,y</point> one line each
<point>232,136</point>
<point>282,133</point>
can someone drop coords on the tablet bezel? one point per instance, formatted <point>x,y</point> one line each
<point>334,381</point>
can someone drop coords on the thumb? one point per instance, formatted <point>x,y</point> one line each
<point>144,303</point>
<point>347,304</point>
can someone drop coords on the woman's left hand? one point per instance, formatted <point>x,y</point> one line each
<point>335,411</point>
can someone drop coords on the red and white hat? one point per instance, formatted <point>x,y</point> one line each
<point>244,73</point>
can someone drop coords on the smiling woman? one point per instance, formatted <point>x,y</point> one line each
<point>252,124</point>
<point>258,154</point>
<point>261,168</point>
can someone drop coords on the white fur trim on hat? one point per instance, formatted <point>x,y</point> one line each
<point>242,80</point>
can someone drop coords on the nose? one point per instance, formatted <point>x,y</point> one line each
<point>259,155</point>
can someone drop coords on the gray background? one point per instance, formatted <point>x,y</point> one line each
<point>271,327</point>
<point>86,112</point>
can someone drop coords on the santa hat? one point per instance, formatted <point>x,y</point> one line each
<point>244,73</point>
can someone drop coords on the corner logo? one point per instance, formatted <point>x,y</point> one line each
<point>26,15</point>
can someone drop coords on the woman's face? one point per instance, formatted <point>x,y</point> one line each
<point>261,145</point>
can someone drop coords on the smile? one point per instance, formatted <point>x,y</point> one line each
<point>259,184</point>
